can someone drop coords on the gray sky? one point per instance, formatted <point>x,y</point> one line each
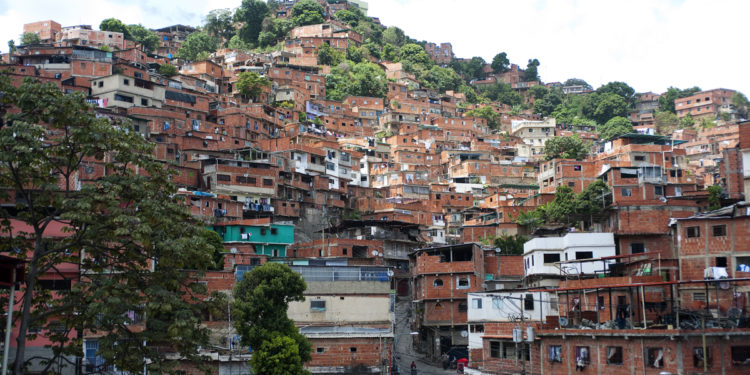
<point>650,44</point>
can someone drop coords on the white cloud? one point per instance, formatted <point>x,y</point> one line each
<point>650,44</point>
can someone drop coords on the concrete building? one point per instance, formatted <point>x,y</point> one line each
<point>705,104</point>
<point>46,30</point>
<point>534,133</point>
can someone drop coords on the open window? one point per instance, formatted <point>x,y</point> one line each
<point>655,357</point>
<point>699,358</point>
<point>555,353</point>
<point>614,355</point>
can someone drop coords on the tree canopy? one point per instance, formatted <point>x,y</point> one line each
<point>30,38</point>
<point>532,71</point>
<point>615,127</point>
<point>197,46</point>
<point>113,24</point>
<point>219,23</point>
<point>45,147</point>
<point>168,70</point>
<point>251,14</point>
<point>147,38</point>
<point>487,113</point>
<point>250,84</point>
<point>262,298</point>
<point>500,63</point>
<point>356,79</point>
<point>307,12</point>
<point>572,147</point>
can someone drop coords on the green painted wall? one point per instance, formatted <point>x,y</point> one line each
<point>263,237</point>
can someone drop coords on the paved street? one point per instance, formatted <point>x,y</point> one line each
<point>404,352</point>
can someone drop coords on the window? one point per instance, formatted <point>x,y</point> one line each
<point>497,303</point>
<point>318,305</point>
<point>528,302</point>
<point>571,184</point>
<point>100,83</point>
<point>437,282</point>
<point>353,349</point>
<point>551,258</point>
<point>637,248</point>
<point>626,192</point>
<point>274,230</point>
<point>555,353</point>
<point>462,282</point>
<point>639,158</point>
<point>223,177</point>
<point>719,230</point>
<point>583,355</point>
<point>699,296</point>
<point>584,254</point>
<point>267,182</point>
<point>655,357</point>
<point>320,350</point>
<point>614,355</point>
<point>126,82</point>
<point>721,262</point>
<point>693,232</point>
<point>462,306</point>
<point>495,349</point>
<point>659,190</point>
<point>476,303</point>
<point>698,357</point>
<point>576,167</point>
<point>124,98</point>
<point>144,102</point>
<point>740,355</point>
<point>476,328</point>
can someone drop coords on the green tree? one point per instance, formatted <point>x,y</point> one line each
<point>551,100</point>
<point>168,70</point>
<point>150,236</point>
<point>666,100</point>
<point>237,43</point>
<point>307,12</point>
<point>529,220</point>
<point>577,82</point>
<point>349,79</point>
<point>11,46</point>
<point>500,63</point>
<point>349,16</point>
<point>197,46</point>
<point>592,200</point>
<point>487,113</point>
<point>251,14</point>
<point>145,37</point>
<point>389,52</point>
<point>414,57</point>
<point>615,127</point>
<point>532,71</point>
<point>219,23</point>
<point>687,121</point>
<point>510,245</point>
<point>30,38</point>
<point>329,56</point>
<point>372,49</point>
<point>665,122</point>
<point>537,91</point>
<point>620,89</point>
<point>251,84</point>
<point>572,147</point>
<point>610,105</point>
<point>113,24</point>
<point>357,55</point>
<point>278,356</point>
<point>714,197</point>
<point>261,300</point>
<point>394,36</point>
<point>442,79</point>
<point>561,209</point>
<point>740,102</point>
<point>274,30</point>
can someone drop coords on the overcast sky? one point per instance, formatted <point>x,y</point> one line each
<point>650,44</point>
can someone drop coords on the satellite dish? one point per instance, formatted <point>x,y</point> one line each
<point>664,200</point>
<point>374,253</point>
<point>563,322</point>
<point>380,254</point>
<point>390,273</point>
<point>464,333</point>
<point>484,285</point>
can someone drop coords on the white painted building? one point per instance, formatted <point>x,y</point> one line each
<point>507,306</point>
<point>557,255</point>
